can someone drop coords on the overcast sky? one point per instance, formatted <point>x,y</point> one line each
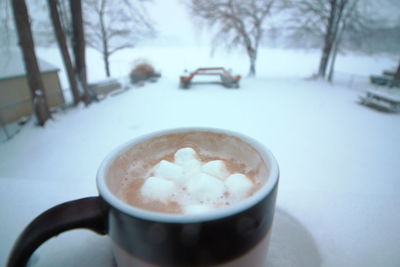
<point>174,25</point>
<point>176,28</point>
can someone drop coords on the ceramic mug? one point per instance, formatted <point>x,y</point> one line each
<point>237,235</point>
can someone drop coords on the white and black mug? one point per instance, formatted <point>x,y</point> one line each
<point>236,235</point>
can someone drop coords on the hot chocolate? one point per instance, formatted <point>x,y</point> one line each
<point>187,173</point>
<point>189,182</point>
<point>224,184</point>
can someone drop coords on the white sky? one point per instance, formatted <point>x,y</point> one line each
<point>174,25</point>
<point>176,28</point>
<point>172,22</point>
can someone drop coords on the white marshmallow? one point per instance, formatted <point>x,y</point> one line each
<point>158,188</point>
<point>216,168</point>
<point>187,159</point>
<point>191,168</point>
<point>183,155</point>
<point>205,188</point>
<point>168,170</point>
<point>238,185</point>
<point>193,209</point>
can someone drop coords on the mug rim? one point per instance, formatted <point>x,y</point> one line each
<point>216,214</point>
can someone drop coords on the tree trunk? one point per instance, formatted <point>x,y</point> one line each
<point>107,63</point>
<point>252,70</point>
<point>65,18</point>
<point>62,44</point>
<point>104,37</point>
<point>38,96</point>
<point>340,27</point>
<point>328,40</point>
<point>79,48</point>
<point>333,60</point>
<point>339,34</point>
<point>324,59</point>
<point>106,53</point>
<point>336,44</point>
<point>397,75</point>
<point>252,57</point>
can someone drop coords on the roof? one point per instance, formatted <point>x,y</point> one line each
<point>12,64</point>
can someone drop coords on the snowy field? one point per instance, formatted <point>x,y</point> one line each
<point>338,201</point>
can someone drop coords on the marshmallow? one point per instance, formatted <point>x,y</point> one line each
<point>168,170</point>
<point>191,168</point>
<point>183,155</point>
<point>197,187</point>
<point>216,168</point>
<point>238,185</point>
<point>187,159</point>
<point>158,188</point>
<point>205,188</point>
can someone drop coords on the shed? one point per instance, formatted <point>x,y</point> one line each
<point>15,97</point>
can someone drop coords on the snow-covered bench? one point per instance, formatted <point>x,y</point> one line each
<point>102,88</point>
<point>386,100</point>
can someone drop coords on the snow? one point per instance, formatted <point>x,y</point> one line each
<point>389,94</point>
<point>12,64</point>
<point>338,198</point>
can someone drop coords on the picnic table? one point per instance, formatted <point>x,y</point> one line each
<point>227,79</point>
<point>388,78</point>
<point>385,100</point>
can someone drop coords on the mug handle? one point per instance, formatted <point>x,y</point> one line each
<point>87,213</point>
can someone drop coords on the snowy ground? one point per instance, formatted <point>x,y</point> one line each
<point>338,202</point>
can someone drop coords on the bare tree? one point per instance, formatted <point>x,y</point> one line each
<point>349,19</point>
<point>115,25</point>
<point>79,49</point>
<point>22,23</point>
<point>62,44</point>
<point>238,23</point>
<point>329,37</point>
<point>316,17</point>
<point>330,21</point>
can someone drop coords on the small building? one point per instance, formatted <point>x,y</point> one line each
<point>15,97</point>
